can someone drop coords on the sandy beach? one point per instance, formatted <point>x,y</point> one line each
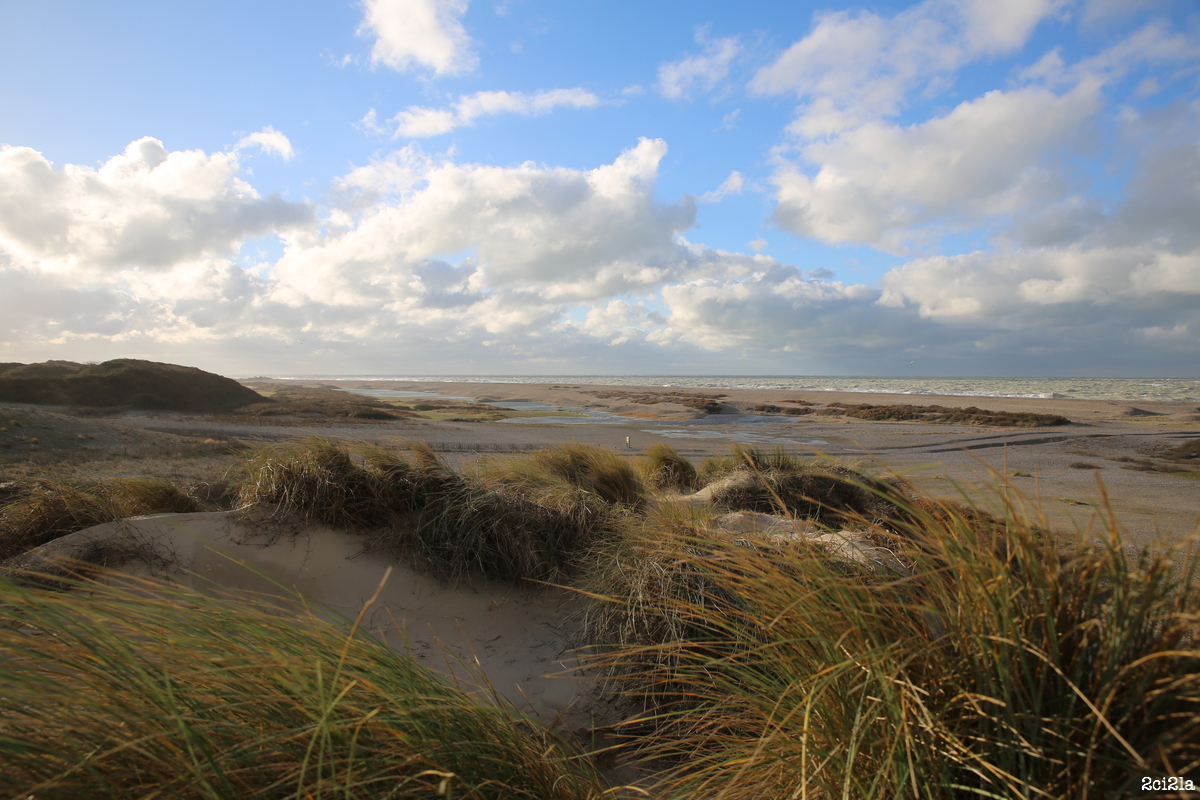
<point>1060,468</point>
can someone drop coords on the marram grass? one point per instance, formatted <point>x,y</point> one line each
<point>524,518</point>
<point>52,507</point>
<point>997,666</point>
<point>146,691</point>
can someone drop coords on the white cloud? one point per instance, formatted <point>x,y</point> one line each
<point>270,141</point>
<point>619,321</point>
<point>676,78</point>
<point>1155,43</point>
<point>396,174</point>
<point>992,27</point>
<point>1100,12</point>
<point>1018,289</point>
<point>420,122</point>
<point>562,235</point>
<point>732,185</point>
<point>772,309</point>
<point>879,181</point>
<point>148,207</point>
<point>856,67</point>
<point>425,33</point>
<point>453,266</point>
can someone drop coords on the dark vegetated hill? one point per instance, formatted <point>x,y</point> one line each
<point>126,382</point>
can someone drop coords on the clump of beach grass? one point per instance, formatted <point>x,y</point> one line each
<point>666,470</point>
<point>777,459</point>
<point>516,518</point>
<point>147,690</point>
<point>1001,664</point>
<point>596,470</point>
<point>816,488</point>
<point>51,507</point>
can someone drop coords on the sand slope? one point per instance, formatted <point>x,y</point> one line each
<point>516,638</point>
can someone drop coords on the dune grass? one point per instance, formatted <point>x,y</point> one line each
<point>144,691</point>
<point>514,518</point>
<point>52,507</point>
<point>996,661</point>
<point>818,489</point>
<point>665,469</point>
<point>596,470</point>
<point>1000,665</point>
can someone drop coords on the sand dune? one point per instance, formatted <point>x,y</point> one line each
<point>518,638</point>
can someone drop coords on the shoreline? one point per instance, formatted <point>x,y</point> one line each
<point>1133,390</point>
<point>578,394</point>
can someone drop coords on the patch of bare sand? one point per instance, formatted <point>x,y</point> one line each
<point>475,634</point>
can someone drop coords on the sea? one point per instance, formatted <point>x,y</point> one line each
<point>1117,389</point>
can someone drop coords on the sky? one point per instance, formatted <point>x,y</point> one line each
<point>947,187</point>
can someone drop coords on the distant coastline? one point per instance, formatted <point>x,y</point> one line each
<point>1114,389</point>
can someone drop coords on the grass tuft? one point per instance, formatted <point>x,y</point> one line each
<point>779,482</point>
<point>49,508</point>
<point>596,470</point>
<point>160,691</point>
<point>529,517</point>
<point>998,666</point>
<point>665,469</point>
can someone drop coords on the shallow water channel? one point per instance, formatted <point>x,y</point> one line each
<point>743,428</point>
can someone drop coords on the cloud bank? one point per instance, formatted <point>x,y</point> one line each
<point>1047,222</point>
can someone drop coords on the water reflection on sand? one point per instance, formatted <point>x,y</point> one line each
<point>714,426</point>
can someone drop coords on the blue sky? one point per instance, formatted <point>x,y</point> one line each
<point>520,186</point>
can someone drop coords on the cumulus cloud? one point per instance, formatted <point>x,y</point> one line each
<point>148,207</point>
<point>619,321</point>
<point>419,122</point>
<point>1155,44</point>
<point>564,235</point>
<point>855,67</point>
<point>879,181</point>
<point>998,159</point>
<point>676,79</point>
<point>771,309</point>
<point>1140,254</point>
<point>419,33</point>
